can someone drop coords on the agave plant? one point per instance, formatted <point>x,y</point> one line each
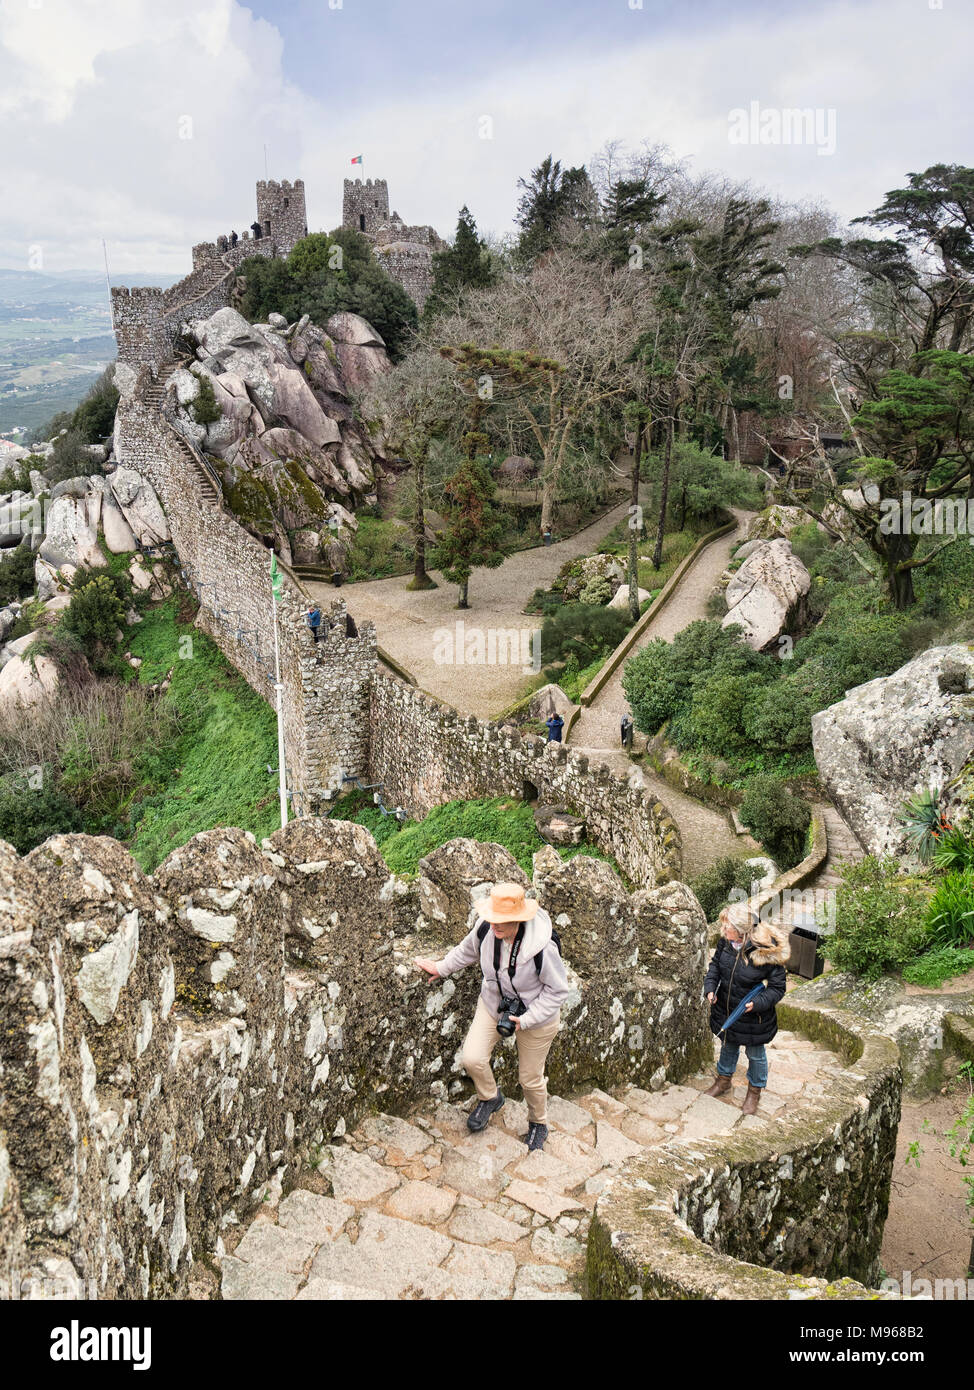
<point>924,822</point>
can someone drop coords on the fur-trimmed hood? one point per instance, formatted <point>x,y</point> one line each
<point>771,945</point>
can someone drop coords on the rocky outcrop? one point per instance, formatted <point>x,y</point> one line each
<point>766,594</point>
<point>558,826</point>
<point>776,523</point>
<point>24,683</point>
<point>285,440</point>
<point>895,736</point>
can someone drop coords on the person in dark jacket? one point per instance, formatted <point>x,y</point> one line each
<point>751,954</point>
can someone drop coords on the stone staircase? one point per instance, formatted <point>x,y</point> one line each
<point>154,395</point>
<point>317,574</point>
<point>843,846</point>
<point>419,1208</point>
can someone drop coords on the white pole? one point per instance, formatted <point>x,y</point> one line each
<point>281,774</point>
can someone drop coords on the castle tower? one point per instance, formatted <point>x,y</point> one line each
<point>365,205</point>
<point>281,212</point>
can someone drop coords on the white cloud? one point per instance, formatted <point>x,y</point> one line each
<point>93,94</point>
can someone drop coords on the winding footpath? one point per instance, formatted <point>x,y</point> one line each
<point>706,833</point>
<point>422,1209</point>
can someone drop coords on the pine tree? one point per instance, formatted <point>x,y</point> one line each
<point>551,196</point>
<point>475,526</point>
<point>466,265</point>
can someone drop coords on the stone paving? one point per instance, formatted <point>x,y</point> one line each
<point>422,1209</point>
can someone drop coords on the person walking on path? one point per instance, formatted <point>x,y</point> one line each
<point>747,957</point>
<point>626,730</point>
<point>554,725</point>
<point>523,988</point>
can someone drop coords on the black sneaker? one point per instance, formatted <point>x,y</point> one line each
<point>536,1136</point>
<point>482,1111</point>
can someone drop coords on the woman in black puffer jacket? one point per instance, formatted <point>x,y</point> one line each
<point>743,959</point>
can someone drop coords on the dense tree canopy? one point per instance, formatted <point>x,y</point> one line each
<point>325,274</point>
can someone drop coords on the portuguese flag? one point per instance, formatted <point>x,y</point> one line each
<point>357,159</point>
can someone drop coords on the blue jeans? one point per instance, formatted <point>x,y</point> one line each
<point>757,1058</point>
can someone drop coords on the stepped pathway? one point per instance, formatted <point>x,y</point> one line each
<point>706,832</point>
<point>155,395</point>
<point>407,622</point>
<point>421,1208</point>
<point>810,901</point>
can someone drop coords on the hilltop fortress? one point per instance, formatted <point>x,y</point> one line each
<point>147,320</point>
<point>405,252</point>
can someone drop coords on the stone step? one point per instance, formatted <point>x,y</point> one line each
<point>421,1208</point>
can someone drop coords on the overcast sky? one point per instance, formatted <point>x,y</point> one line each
<point>145,123</point>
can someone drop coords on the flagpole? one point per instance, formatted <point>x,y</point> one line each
<point>281,771</point>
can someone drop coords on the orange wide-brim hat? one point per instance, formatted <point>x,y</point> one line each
<point>507,903</point>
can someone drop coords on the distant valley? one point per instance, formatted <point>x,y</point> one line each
<point>55,338</point>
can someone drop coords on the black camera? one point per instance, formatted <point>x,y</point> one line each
<point>509,1010</point>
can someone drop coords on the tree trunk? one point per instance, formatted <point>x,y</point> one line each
<point>420,579</point>
<point>463,594</point>
<point>664,490</point>
<point>899,582</point>
<point>635,528</point>
<point>547,497</point>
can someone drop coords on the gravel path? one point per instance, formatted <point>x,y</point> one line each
<point>412,626</point>
<point>422,1209</point>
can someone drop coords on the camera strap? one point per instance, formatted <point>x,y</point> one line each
<point>512,963</point>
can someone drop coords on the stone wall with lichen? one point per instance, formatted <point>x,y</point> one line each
<point>425,753</point>
<point>325,684</point>
<point>170,1045</point>
<point>794,1208</point>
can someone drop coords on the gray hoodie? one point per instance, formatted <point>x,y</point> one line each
<point>543,993</point>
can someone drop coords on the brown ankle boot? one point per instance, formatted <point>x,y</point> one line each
<point>721,1086</point>
<point>751,1100</point>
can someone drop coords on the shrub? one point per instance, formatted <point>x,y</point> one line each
<point>779,716</point>
<point>16,477</point>
<point>778,818</point>
<point>955,849</point>
<point>17,574</point>
<point>70,458</point>
<point>95,416</point>
<point>950,916</point>
<point>934,967</point>
<point>720,708</point>
<point>662,677</point>
<point>29,816</point>
<point>204,407</point>
<point>94,616</point>
<point>879,921</point>
<point>596,591</point>
<point>586,631</point>
<point>714,886</point>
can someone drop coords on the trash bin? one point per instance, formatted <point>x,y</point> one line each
<point>806,959</point>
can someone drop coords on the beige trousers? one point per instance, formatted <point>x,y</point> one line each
<point>533,1045</point>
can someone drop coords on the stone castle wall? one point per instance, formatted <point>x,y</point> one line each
<point>171,1045</point>
<point>411,265</point>
<point>769,1213</point>
<point>325,684</point>
<point>425,753</point>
